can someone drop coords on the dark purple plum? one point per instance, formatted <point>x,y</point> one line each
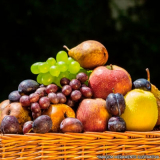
<point>14,96</point>
<point>116,124</point>
<point>27,127</point>
<point>10,125</point>
<point>27,86</point>
<point>142,84</point>
<point>42,124</point>
<point>115,104</point>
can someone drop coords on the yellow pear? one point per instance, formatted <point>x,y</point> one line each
<point>89,54</point>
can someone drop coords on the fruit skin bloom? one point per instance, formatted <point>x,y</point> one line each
<point>141,112</point>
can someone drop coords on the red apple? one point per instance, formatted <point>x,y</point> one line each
<point>93,114</point>
<point>104,79</point>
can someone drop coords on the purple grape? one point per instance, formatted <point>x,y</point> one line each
<point>76,95</point>
<point>35,107</point>
<point>27,127</point>
<point>51,88</point>
<point>84,85</point>
<point>53,98</point>
<point>42,124</point>
<point>75,84</point>
<point>70,102</point>
<point>41,91</point>
<point>10,125</point>
<point>24,100</point>
<point>116,124</point>
<point>86,92</point>
<point>115,104</point>
<point>64,81</point>
<point>82,77</point>
<point>36,115</point>
<point>44,102</point>
<point>62,97</point>
<point>14,96</point>
<point>33,97</point>
<point>66,90</point>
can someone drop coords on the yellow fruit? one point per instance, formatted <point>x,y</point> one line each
<point>141,112</point>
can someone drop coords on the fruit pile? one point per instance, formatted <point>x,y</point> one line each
<point>80,93</point>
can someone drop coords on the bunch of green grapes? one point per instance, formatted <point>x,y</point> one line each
<point>52,70</point>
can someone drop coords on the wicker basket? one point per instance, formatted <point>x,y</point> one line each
<point>81,146</point>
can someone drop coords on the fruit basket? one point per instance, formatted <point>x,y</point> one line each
<point>81,146</point>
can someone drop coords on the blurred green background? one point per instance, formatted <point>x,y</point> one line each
<point>34,30</point>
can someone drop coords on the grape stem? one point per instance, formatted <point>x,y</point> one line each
<point>66,47</point>
<point>148,74</point>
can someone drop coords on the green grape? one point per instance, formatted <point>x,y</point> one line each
<point>72,76</point>
<point>64,74</point>
<point>34,68</point>
<point>74,67</point>
<point>62,56</point>
<point>70,59</point>
<point>39,78</point>
<point>54,70</point>
<point>51,61</point>
<point>47,78</point>
<point>62,66</point>
<point>57,81</point>
<point>83,70</point>
<point>43,67</point>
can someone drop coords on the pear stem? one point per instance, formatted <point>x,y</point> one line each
<point>111,66</point>
<point>66,47</point>
<point>148,74</point>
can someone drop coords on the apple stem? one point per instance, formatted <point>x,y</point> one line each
<point>111,66</point>
<point>113,90</point>
<point>66,47</point>
<point>148,74</point>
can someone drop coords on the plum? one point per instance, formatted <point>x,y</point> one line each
<point>142,83</point>
<point>27,86</point>
<point>14,96</point>
<point>10,125</point>
<point>116,124</point>
<point>42,124</point>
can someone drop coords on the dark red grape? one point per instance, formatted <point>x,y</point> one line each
<point>76,95</point>
<point>64,81</point>
<point>35,107</point>
<point>44,102</point>
<point>66,90</point>
<point>24,100</point>
<point>70,102</point>
<point>62,97</point>
<point>86,92</point>
<point>41,91</point>
<point>115,104</point>
<point>27,86</point>
<point>84,85</point>
<point>27,127</point>
<point>116,124</point>
<point>82,77</point>
<point>33,97</point>
<point>142,84</point>
<point>75,84</point>
<point>51,88</point>
<point>36,115</point>
<point>14,96</point>
<point>10,125</point>
<point>42,124</point>
<point>53,98</point>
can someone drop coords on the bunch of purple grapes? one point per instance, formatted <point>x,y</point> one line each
<point>38,98</point>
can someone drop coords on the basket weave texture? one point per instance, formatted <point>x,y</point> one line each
<point>80,146</point>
